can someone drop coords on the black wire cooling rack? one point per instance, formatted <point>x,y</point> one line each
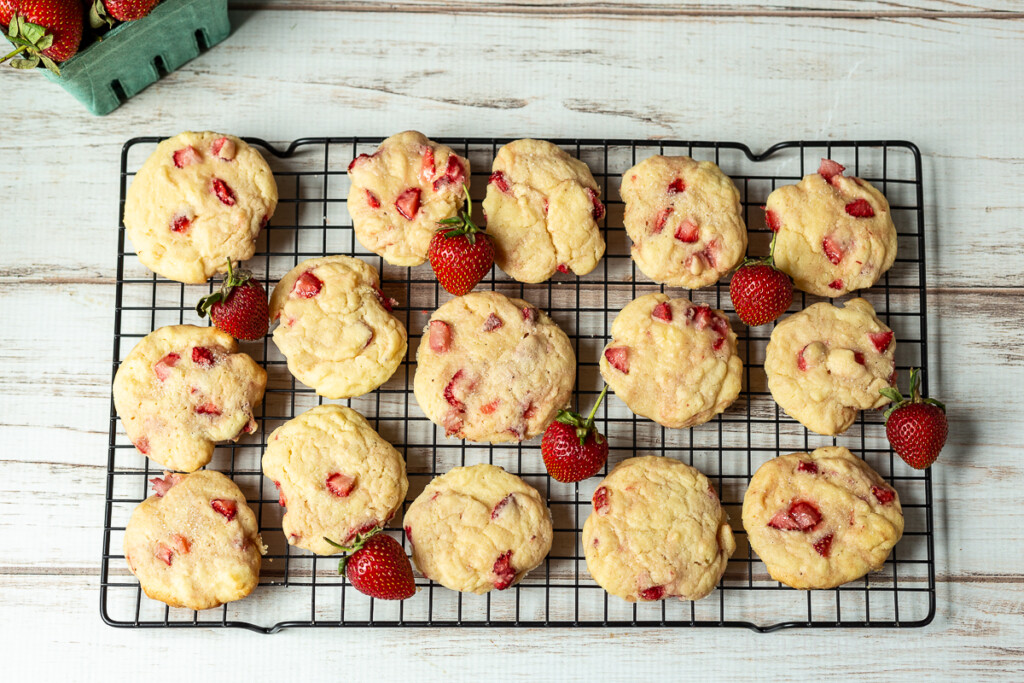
<point>299,589</point>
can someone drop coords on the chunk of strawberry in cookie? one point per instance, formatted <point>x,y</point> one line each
<point>510,498</point>
<point>830,169</point>
<point>860,209</point>
<point>162,368</point>
<point>823,546</point>
<point>493,322</point>
<point>801,516</point>
<point>662,312</point>
<point>662,218</point>
<point>408,203</point>
<point>224,192</point>
<point>833,250</point>
<point>440,336</point>
<point>598,210</point>
<point>504,572</point>
<point>881,340</point>
<point>307,286</point>
<point>186,157</point>
<point>162,486</point>
<point>225,507</point>
<point>223,149</point>
<point>340,485</point>
<point>618,358</point>
<point>652,593</point>
<point>499,181</point>
<point>687,232</point>
<point>600,500</point>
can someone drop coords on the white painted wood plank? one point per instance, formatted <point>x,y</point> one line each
<point>654,8</point>
<point>978,633</point>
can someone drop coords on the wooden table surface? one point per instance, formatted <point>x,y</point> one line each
<point>946,75</point>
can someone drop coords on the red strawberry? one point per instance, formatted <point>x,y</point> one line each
<point>759,291</point>
<point>824,546</point>
<point>307,285</point>
<point>224,507</point>
<point>377,566</point>
<point>801,516</point>
<point>107,11</point>
<point>42,31</point>
<point>239,308</point>
<point>916,427</point>
<point>662,312</point>
<point>460,253</point>
<point>676,186</point>
<point>186,156</point>
<point>573,450</point>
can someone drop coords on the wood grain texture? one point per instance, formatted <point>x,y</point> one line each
<point>643,69</point>
<point>996,9</point>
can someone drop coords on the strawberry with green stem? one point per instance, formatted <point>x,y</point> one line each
<point>460,253</point>
<point>759,291</point>
<point>42,31</point>
<point>916,427</point>
<point>239,307</point>
<point>377,566</point>
<point>572,448</point>
<point>110,12</point>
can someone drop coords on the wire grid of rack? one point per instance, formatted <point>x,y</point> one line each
<point>299,589</point>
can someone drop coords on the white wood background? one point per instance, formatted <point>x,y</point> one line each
<point>948,75</point>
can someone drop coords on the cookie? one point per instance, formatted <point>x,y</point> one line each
<point>685,220</point>
<point>495,369</point>
<point>821,519</point>
<point>478,528</point>
<point>542,210</point>
<point>183,389</point>
<point>336,329</point>
<point>401,191</point>
<point>195,542</point>
<point>198,201</point>
<point>825,364</point>
<point>835,234</point>
<point>672,361</point>
<point>336,476</point>
<point>657,531</point>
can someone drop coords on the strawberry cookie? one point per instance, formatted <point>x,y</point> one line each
<point>401,191</point>
<point>198,201</point>
<point>336,476</point>
<point>657,531</point>
<point>821,519</point>
<point>336,327</point>
<point>672,361</point>
<point>825,364</point>
<point>478,528</point>
<point>184,388</point>
<point>685,220</point>
<point>495,369</point>
<point>835,234</point>
<point>195,542</point>
<point>542,210</point>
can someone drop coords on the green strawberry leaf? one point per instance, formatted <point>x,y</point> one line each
<point>45,42</point>
<point>26,62</point>
<point>891,393</point>
<point>50,64</point>
<point>32,32</point>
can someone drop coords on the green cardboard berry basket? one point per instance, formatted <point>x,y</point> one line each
<point>136,54</point>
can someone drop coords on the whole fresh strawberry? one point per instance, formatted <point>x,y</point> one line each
<point>916,427</point>
<point>377,566</point>
<point>460,253</point>
<point>572,448</point>
<point>42,31</point>
<point>112,11</point>
<point>760,292</point>
<point>239,308</point>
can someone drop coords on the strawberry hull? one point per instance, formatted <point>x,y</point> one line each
<point>137,54</point>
